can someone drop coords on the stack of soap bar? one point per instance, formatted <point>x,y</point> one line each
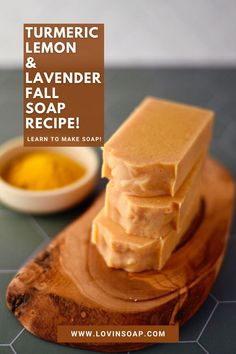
<point>155,163</point>
<point>153,216</point>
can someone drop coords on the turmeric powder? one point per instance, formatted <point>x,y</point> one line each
<point>42,170</point>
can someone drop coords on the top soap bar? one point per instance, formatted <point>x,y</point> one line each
<point>154,150</point>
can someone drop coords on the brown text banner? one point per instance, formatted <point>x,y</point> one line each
<point>63,84</point>
<point>118,334</point>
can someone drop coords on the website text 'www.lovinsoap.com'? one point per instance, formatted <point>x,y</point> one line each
<point>118,334</point>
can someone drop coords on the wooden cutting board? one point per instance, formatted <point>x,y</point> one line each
<point>69,283</point>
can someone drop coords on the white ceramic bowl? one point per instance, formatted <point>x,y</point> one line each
<point>50,201</point>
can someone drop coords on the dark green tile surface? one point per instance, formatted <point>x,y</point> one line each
<point>193,327</point>
<point>5,350</point>
<point>20,235</point>
<point>219,336</point>
<point>53,224</point>
<point>225,287</point>
<point>18,239</point>
<point>180,348</point>
<point>9,327</point>
<point>26,343</point>
<point>29,344</point>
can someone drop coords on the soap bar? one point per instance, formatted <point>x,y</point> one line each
<point>154,150</point>
<point>153,216</point>
<point>134,253</point>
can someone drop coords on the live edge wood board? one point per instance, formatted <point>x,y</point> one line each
<point>69,283</point>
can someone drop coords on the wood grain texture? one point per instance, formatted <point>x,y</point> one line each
<point>69,283</point>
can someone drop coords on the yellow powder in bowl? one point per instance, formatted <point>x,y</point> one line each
<point>42,170</point>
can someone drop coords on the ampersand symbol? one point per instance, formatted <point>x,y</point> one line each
<point>30,63</point>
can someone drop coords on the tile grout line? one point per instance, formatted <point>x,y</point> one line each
<point>39,228</point>
<point>17,336</point>
<point>203,348</point>
<point>34,252</point>
<point>13,349</point>
<point>208,320</point>
<point>214,298</point>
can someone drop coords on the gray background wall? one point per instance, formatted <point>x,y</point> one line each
<point>138,32</point>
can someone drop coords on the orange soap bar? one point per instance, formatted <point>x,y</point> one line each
<point>134,253</point>
<point>153,216</point>
<point>155,149</point>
